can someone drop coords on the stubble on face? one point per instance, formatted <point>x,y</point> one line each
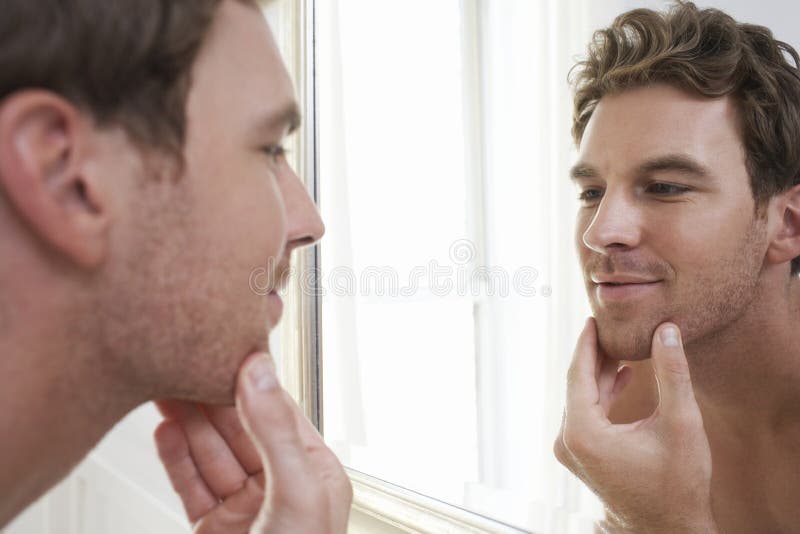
<point>705,303</point>
<point>181,313</point>
<point>178,314</point>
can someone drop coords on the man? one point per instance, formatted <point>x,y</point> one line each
<point>142,180</point>
<point>689,236</point>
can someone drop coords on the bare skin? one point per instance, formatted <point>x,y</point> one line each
<point>257,467</point>
<point>653,474</point>
<point>667,204</point>
<point>125,278</point>
<point>752,485</point>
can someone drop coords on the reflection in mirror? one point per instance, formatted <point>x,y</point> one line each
<point>451,294</point>
<point>452,297</point>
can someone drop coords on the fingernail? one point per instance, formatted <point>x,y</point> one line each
<point>669,337</point>
<point>261,373</point>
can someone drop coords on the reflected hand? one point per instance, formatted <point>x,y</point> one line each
<point>260,467</point>
<point>653,475</point>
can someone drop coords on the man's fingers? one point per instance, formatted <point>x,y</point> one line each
<point>624,375</point>
<point>226,421</point>
<point>672,372</point>
<point>606,380</point>
<point>173,449</point>
<point>238,512</point>
<point>212,455</point>
<point>267,415</point>
<point>612,383</point>
<point>330,471</point>
<point>559,448</point>
<point>582,389</point>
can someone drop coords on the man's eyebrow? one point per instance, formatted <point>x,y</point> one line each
<point>293,117</point>
<point>582,170</point>
<point>287,116</point>
<point>679,163</point>
<point>674,163</point>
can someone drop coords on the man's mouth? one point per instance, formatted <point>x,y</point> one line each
<point>621,278</point>
<point>620,290</point>
<point>626,283</point>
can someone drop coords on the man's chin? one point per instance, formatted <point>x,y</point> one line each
<point>620,342</point>
<point>222,392</point>
<point>217,385</point>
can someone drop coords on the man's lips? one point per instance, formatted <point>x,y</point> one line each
<point>616,291</point>
<point>622,279</point>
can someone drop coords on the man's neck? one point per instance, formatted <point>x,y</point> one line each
<point>745,379</point>
<point>745,382</point>
<point>57,404</point>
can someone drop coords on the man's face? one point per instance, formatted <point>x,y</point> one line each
<point>667,228</point>
<point>194,240</point>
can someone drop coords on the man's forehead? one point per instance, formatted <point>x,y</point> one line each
<point>240,76</point>
<point>660,110</point>
<point>658,122</point>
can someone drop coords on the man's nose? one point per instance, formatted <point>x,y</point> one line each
<point>616,225</point>
<point>305,226</point>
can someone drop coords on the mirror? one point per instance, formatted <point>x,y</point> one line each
<point>451,294</point>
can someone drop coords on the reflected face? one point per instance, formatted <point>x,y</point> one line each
<point>667,228</point>
<point>236,208</point>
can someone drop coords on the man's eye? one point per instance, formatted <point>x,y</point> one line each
<point>666,189</point>
<point>589,195</point>
<point>276,152</point>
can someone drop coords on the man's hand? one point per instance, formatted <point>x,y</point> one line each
<point>653,475</point>
<point>260,467</point>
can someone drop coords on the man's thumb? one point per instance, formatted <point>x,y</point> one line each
<point>671,370</point>
<point>265,410</point>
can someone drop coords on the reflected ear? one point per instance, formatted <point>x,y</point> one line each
<point>44,174</point>
<point>785,244</point>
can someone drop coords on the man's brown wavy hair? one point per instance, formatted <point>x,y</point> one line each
<point>705,52</point>
<point>125,63</point>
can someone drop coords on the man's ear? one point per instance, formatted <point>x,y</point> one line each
<point>43,172</point>
<point>785,243</point>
